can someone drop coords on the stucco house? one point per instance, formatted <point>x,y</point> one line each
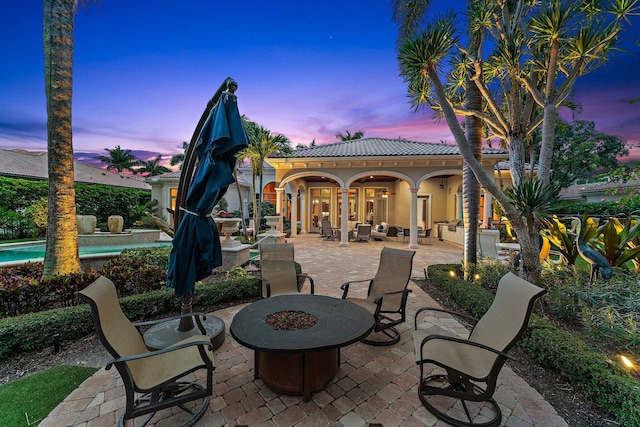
<point>164,189</point>
<point>604,191</point>
<point>404,183</point>
<point>376,180</point>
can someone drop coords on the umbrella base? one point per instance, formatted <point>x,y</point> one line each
<point>166,333</point>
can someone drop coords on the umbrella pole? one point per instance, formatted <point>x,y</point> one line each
<point>186,323</point>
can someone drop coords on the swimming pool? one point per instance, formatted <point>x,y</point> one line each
<point>35,251</point>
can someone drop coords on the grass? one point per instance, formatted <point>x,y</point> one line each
<point>27,401</point>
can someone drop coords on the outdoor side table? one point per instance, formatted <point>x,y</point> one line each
<point>302,361</point>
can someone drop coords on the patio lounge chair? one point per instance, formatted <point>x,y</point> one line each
<point>153,380</point>
<point>278,270</point>
<point>387,295</point>
<point>472,365</point>
<point>363,233</point>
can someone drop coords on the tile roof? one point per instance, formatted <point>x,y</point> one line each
<point>576,191</point>
<point>378,147</point>
<point>33,165</point>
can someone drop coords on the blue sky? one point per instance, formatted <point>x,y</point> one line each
<point>144,71</point>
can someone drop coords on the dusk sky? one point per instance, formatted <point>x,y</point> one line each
<point>144,71</point>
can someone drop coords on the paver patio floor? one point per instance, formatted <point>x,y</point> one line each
<point>373,384</point>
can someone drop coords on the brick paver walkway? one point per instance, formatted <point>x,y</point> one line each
<point>373,385</point>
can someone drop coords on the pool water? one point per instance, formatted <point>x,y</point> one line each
<point>35,252</point>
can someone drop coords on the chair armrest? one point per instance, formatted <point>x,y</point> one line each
<point>305,276</point>
<point>345,286</point>
<point>441,310</point>
<point>464,342</point>
<point>159,352</point>
<point>380,297</point>
<point>267,285</point>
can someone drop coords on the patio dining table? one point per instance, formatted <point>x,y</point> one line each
<point>306,360</point>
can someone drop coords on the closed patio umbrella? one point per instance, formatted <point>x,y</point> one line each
<point>196,244</point>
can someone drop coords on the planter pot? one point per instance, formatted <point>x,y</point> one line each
<point>228,226</point>
<point>115,224</point>
<point>86,224</point>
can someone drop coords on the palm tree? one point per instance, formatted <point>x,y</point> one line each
<point>61,253</point>
<point>409,14</point>
<point>348,136</point>
<point>178,159</point>
<point>262,144</point>
<point>152,167</point>
<point>538,52</point>
<point>120,160</point>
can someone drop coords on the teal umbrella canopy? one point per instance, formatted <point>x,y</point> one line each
<point>196,244</point>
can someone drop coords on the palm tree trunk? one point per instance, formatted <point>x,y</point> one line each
<point>470,185</point>
<point>244,224</point>
<point>61,254</point>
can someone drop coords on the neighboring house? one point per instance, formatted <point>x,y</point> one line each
<point>605,191</point>
<point>164,189</point>
<point>404,183</point>
<point>33,165</point>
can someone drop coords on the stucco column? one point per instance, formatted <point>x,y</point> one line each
<point>488,210</point>
<point>344,224</point>
<point>413,219</point>
<point>279,209</point>
<point>303,214</point>
<point>294,215</point>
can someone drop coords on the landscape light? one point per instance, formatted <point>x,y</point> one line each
<point>625,360</point>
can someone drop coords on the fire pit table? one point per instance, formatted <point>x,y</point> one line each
<point>304,360</point>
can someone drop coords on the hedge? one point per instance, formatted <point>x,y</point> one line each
<point>564,352</point>
<point>91,199</point>
<point>35,331</point>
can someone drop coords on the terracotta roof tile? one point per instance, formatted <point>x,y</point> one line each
<point>374,147</point>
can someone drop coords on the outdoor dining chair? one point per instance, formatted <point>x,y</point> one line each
<point>471,365</point>
<point>327,230</point>
<point>153,380</point>
<point>386,295</point>
<point>278,270</point>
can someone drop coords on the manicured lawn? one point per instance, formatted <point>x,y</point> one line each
<point>29,400</point>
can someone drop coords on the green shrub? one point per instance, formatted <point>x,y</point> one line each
<point>588,370</point>
<point>35,331</point>
<point>156,257</point>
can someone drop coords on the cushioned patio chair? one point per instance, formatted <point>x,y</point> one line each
<point>472,365</point>
<point>153,380</point>
<point>386,295</point>
<point>278,271</point>
<point>326,231</point>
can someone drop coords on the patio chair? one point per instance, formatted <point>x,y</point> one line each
<point>386,295</point>
<point>406,234</point>
<point>488,249</point>
<point>472,365</point>
<point>363,233</point>
<point>425,235</point>
<point>153,380</point>
<point>327,230</point>
<point>278,271</point>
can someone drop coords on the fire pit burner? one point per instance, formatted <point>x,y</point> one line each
<point>291,320</point>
